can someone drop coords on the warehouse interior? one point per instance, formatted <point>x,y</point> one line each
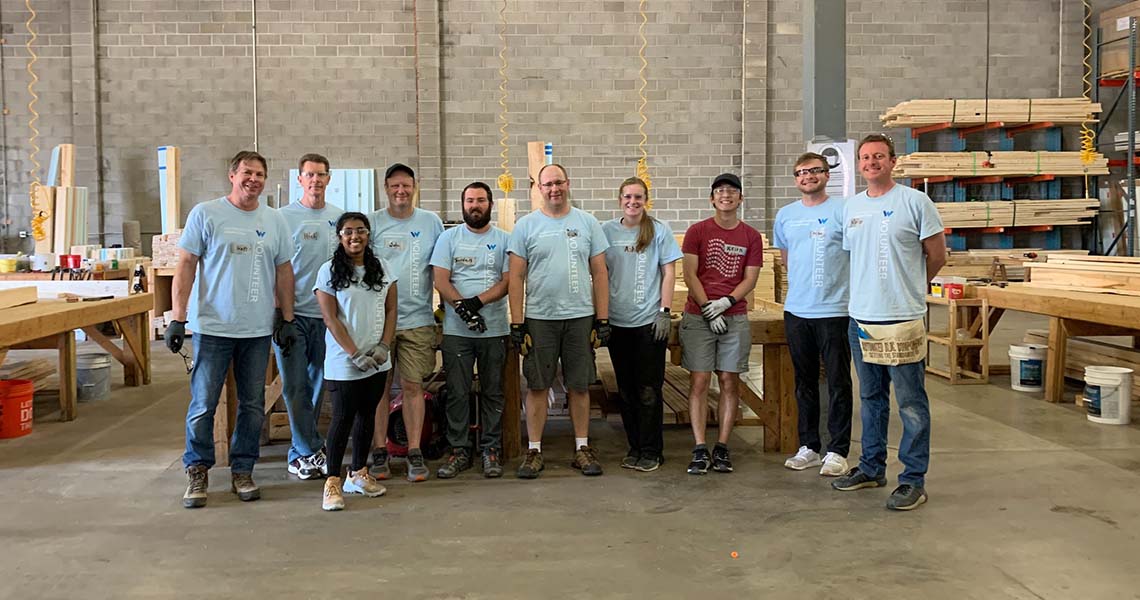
<point>120,116</point>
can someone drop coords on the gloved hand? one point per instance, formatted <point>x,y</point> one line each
<point>600,334</point>
<point>364,362</point>
<point>477,324</point>
<point>520,337</point>
<point>718,325</point>
<point>661,325</point>
<point>379,353</point>
<point>716,308</point>
<point>471,305</point>
<point>175,335</point>
<point>285,335</point>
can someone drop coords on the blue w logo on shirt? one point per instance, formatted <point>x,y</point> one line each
<point>822,221</point>
<point>332,223</point>
<point>415,234</point>
<point>887,213</point>
<point>260,233</point>
<point>491,246</point>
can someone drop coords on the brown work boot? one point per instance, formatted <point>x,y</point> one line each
<point>242,484</point>
<point>198,477</point>
<point>531,465</point>
<point>586,459</point>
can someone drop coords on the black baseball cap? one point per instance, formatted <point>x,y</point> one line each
<point>728,178</point>
<point>399,168</point>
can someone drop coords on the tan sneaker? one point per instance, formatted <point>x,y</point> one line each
<point>242,484</point>
<point>332,499</point>
<point>198,477</point>
<point>360,482</point>
<point>586,459</point>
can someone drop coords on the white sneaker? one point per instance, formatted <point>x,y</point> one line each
<point>320,461</point>
<point>804,459</point>
<point>360,482</point>
<point>332,498</point>
<point>834,465</point>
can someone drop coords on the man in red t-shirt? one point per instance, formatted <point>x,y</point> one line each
<point>723,256</point>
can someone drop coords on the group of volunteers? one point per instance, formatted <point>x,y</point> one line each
<point>344,297</point>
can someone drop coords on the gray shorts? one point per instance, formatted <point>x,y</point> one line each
<point>568,340</point>
<point>703,350</point>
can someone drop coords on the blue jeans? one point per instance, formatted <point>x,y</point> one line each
<point>302,385</point>
<point>914,409</point>
<point>212,357</point>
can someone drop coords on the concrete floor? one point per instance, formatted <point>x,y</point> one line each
<point>1027,500</point>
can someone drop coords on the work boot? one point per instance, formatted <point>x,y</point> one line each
<point>532,465</point>
<point>586,460</point>
<point>242,484</point>
<point>198,477</point>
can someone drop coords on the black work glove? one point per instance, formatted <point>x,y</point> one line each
<point>471,305</point>
<point>477,324</point>
<point>285,335</point>
<point>175,335</point>
<point>600,334</point>
<point>520,337</point>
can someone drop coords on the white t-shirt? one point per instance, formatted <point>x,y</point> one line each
<point>362,311</point>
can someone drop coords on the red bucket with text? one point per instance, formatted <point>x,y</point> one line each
<point>15,408</point>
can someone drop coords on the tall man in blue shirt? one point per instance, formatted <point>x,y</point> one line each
<point>895,238</point>
<point>815,314</point>
<point>312,223</point>
<point>558,263</point>
<point>233,263</point>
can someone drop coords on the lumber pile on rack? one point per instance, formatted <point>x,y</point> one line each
<point>39,371</point>
<point>1082,352</point>
<point>1013,111</point>
<point>917,165</point>
<point>164,249</point>
<point>1106,274</point>
<point>979,264</point>
<point>1017,213</point>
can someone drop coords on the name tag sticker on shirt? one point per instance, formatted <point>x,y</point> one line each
<point>733,250</point>
<point>468,261</point>
<point>571,233</point>
<point>855,222</point>
<point>240,248</point>
<point>397,245</point>
<point>817,234</point>
<point>310,235</point>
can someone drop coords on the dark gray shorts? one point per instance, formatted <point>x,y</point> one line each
<point>566,340</point>
<point>703,350</point>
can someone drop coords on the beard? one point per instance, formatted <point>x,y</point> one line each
<point>477,222</point>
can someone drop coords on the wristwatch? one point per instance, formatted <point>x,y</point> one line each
<point>664,310</point>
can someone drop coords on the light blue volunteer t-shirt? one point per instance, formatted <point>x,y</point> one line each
<point>362,311</point>
<point>238,253</point>
<point>818,269</point>
<point>406,245</point>
<point>314,241</point>
<point>477,262</point>
<point>635,277</point>
<point>888,269</point>
<point>558,251</point>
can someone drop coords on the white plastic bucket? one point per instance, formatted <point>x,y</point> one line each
<point>93,376</point>
<point>1027,367</point>
<point>1108,394</point>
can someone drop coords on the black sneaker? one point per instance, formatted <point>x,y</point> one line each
<point>721,463</point>
<point>630,460</point>
<point>856,480</point>
<point>458,462</point>
<point>380,467</point>
<point>648,463</point>
<point>701,462</point>
<point>906,497</point>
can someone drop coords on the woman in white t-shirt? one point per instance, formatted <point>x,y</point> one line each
<point>358,301</point>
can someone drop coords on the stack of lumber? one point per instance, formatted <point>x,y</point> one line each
<point>39,371</point>
<point>1107,274</point>
<point>1017,213</point>
<point>781,282</point>
<point>1013,111</point>
<point>1082,352</point>
<point>978,264</point>
<point>998,163</point>
<point>164,249</point>
<point>767,283</point>
<point>25,293</point>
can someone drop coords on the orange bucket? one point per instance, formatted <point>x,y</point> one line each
<point>15,408</point>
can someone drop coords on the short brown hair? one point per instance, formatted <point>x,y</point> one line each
<point>810,156</point>
<point>313,158</point>
<point>245,156</point>
<point>876,137</point>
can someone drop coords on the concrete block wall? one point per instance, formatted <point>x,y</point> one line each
<point>340,78</point>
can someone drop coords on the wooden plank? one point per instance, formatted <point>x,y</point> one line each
<point>1107,309</point>
<point>50,290</point>
<point>17,296</point>
<point>1055,360</point>
<point>66,165</point>
<point>512,405</point>
<point>49,317</point>
<point>917,165</point>
<point>973,111</point>
<point>68,392</point>
<point>535,160</point>
<point>506,206</point>
<point>170,187</point>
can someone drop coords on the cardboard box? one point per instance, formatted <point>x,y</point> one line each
<point>1114,24</point>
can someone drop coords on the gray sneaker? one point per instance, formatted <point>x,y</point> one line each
<point>458,462</point>
<point>630,460</point>
<point>242,484</point>
<point>417,468</point>
<point>855,480</point>
<point>492,468</point>
<point>648,463</point>
<point>381,470</point>
<point>906,497</point>
<point>198,477</point>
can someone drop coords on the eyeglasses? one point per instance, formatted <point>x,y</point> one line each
<point>813,171</point>
<point>308,175</point>
<point>187,360</point>
<point>727,190</point>
<point>633,196</point>
<point>347,231</point>
<point>555,183</point>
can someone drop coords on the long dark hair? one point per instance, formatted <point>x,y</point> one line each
<point>344,271</point>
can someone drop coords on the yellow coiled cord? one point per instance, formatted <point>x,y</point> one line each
<point>643,162</point>
<point>40,214</point>
<point>506,181</point>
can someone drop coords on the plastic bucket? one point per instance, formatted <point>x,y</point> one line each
<point>93,376</point>
<point>1027,367</point>
<point>1108,394</point>
<point>15,408</point>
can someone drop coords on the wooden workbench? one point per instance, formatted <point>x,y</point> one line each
<point>42,276</point>
<point>51,324</point>
<point>1070,314</point>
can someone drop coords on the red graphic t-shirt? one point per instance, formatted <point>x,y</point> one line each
<point>722,254</point>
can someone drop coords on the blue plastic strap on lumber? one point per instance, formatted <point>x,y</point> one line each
<point>162,199</point>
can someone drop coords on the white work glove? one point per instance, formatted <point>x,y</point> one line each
<point>718,325</point>
<point>661,324</point>
<point>379,353</point>
<point>364,362</point>
<point>716,308</point>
